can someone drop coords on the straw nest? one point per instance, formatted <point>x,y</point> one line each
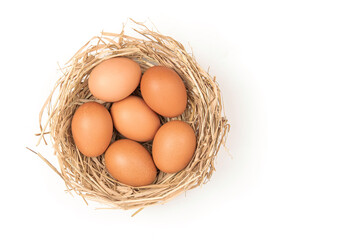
<point>87,176</point>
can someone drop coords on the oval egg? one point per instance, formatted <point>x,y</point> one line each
<point>114,79</point>
<point>134,119</point>
<point>173,146</point>
<point>130,163</point>
<point>92,129</point>
<point>163,90</point>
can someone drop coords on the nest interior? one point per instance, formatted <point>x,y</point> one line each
<point>87,176</point>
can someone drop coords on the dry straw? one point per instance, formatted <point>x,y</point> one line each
<point>87,176</point>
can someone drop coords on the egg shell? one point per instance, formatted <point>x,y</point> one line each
<point>92,129</point>
<point>114,79</point>
<point>173,146</point>
<point>163,90</point>
<point>134,119</point>
<point>130,163</point>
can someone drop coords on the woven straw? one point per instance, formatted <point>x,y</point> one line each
<point>87,176</point>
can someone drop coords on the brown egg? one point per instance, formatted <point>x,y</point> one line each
<point>130,163</point>
<point>163,90</point>
<point>92,129</point>
<point>173,146</point>
<point>114,79</point>
<point>134,119</point>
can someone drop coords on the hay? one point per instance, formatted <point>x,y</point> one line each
<point>87,176</point>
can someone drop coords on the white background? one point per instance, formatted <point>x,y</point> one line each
<point>281,66</point>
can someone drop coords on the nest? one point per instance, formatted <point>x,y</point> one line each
<point>87,176</point>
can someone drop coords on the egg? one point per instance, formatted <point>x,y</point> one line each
<point>92,129</point>
<point>114,79</point>
<point>134,119</point>
<point>163,90</point>
<point>173,146</point>
<point>130,163</point>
